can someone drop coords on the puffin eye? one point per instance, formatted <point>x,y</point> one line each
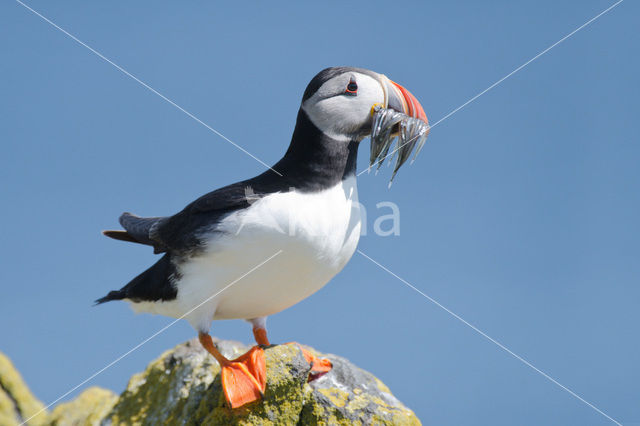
<point>352,88</point>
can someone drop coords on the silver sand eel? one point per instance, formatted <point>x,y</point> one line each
<point>410,133</point>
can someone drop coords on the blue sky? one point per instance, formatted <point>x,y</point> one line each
<point>520,215</point>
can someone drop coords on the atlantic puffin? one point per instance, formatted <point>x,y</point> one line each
<point>253,248</point>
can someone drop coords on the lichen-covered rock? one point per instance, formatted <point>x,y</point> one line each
<point>183,387</point>
<point>87,409</point>
<point>349,395</point>
<point>17,403</point>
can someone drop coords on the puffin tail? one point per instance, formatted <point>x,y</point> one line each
<point>113,295</point>
<point>120,235</point>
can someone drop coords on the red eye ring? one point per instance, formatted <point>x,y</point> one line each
<point>352,87</point>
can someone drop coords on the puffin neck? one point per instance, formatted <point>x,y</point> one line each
<point>314,160</point>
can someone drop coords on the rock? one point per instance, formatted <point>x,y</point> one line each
<point>88,408</point>
<point>182,387</point>
<point>17,403</point>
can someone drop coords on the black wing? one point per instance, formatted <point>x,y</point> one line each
<point>183,231</point>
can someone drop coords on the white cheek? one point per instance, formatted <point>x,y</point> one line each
<point>340,116</point>
<point>332,116</point>
<point>360,108</point>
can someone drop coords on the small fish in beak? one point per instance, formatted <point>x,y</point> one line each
<point>402,118</point>
<point>384,122</point>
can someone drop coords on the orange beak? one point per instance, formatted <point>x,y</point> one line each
<point>401,100</point>
<point>388,123</point>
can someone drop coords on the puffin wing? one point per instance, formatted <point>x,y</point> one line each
<point>185,231</point>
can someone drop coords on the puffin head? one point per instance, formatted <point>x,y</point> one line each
<point>340,100</point>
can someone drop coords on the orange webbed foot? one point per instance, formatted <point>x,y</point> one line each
<point>319,366</point>
<point>244,379</point>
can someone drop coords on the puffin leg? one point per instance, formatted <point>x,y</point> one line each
<point>260,331</point>
<point>319,366</point>
<point>244,379</point>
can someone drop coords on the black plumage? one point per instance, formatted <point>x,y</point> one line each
<point>153,284</point>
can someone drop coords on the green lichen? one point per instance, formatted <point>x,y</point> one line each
<point>87,409</point>
<point>17,403</point>
<point>337,397</point>
<point>169,389</point>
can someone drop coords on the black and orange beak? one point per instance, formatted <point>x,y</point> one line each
<point>399,117</point>
<point>401,100</point>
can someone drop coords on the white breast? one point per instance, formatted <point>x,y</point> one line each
<point>315,235</point>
